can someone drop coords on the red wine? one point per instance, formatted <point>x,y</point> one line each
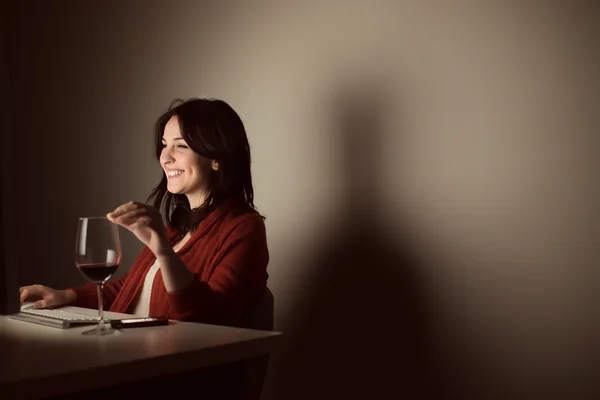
<point>98,272</point>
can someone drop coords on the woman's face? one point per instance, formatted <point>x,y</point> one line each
<point>187,172</point>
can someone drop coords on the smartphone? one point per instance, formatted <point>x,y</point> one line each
<point>137,322</point>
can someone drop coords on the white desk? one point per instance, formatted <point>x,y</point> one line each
<point>38,361</point>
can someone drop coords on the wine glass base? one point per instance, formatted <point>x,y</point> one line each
<point>97,331</point>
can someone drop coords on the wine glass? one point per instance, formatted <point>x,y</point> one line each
<point>97,256</point>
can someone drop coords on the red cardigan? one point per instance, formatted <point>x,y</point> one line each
<point>228,255</point>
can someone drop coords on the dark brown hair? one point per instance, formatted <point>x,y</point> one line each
<point>211,128</point>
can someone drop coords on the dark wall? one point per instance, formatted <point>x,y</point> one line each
<point>8,267</point>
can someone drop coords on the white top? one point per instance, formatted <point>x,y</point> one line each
<point>142,307</point>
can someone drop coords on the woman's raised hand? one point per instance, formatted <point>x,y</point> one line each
<point>145,222</point>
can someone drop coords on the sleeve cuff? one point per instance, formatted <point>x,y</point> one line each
<point>87,296</point>
<point>184,302</point>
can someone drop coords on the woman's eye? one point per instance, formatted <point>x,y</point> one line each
<point>179,146</point>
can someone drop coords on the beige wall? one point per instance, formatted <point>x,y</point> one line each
<point>426,169</point>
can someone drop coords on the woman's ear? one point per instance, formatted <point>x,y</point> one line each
<point>215,165</point>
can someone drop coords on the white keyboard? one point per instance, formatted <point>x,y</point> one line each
<point>54,317</point>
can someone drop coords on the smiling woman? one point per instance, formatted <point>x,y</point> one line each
<point>203,147</point>
<point>208,262</point>
<point>187,172</point>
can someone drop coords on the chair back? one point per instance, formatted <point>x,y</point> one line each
<point>260,316</point>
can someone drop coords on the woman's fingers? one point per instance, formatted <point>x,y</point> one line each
<point>139,223</point>
<point>131,215</point>
<point>29,291</point>
<point>144,221</point>
<point>128,208</point>
<point>32,291</point>
<point>133,212</point>
<point>24,294</point>
<point>122,209</point>
<point>41,304</point>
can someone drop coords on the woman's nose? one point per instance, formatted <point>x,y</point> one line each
<point>166,156</point>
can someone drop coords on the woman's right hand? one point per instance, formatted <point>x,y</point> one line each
<point>50,298</point>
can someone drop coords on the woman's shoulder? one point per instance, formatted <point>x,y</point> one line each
<point>243,217</point>
<point>228,218</point>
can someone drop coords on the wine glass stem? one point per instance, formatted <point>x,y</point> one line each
<point>100,307</point>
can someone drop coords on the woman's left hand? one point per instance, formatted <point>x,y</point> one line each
<point>145,222</point>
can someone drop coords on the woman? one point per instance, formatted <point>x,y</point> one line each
<point>208,263</point>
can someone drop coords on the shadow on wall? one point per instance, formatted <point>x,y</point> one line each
<point>362,327</point>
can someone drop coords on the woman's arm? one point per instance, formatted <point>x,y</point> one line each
<point>145,222</point>
<point>239,275</point>
<point>176,275</point>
